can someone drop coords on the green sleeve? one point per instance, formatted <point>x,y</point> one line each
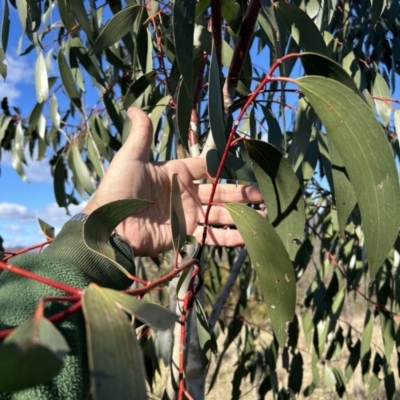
<point>69,261</point>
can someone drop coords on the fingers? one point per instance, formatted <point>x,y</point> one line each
<point>228,193</point>
<point>220,237</point>
<point>196,167</point>
<point>140,135</point>
<point>220,216</point>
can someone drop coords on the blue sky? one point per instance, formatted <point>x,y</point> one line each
<point>22,203</point>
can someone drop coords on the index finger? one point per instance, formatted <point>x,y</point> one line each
<point>230,193</point>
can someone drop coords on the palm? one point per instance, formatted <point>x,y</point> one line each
<point>131,175</point>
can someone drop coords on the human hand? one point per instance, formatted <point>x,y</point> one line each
<point>131,175</point>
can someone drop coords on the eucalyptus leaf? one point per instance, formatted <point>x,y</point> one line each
<point>368,159</point>
<point>116,28</point>
<point>35,339</point>
<point>115,359</point>
<point>178,222</point>
<point>272,264</point>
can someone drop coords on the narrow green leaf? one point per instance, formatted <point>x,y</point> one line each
<point>41,80</point>
<point>272,265</point>
<point>178,222</point>
<point>329,377</point>
<point>115,359</point>
<point>4,125</point>
<point>137,88</point>
<point>388,333</point>
<point>81,15</point>
<point>54,114</point>
<point>36,339</point>
<point>275,136</point>
<point>47,229</point>
<point>5,26</point>
<point>67,16</point>
<point>80,173</point>
<point>232,14</point>
<point>301,133</point>
<point>183,27</point>
<point>156,316</point>
<point>376,11</point>
<point>281,193</point>
<point>397,121</point>
<point>234,167</point>
<point>3,65</point>
<point>215,108</point>
<point>203,331</point>
<point>157,112</point>
<point>113,112</point>
<point>17,152</point>
<point>93,156</point>
<point>301,27</point>
<point>380,90</point>
<point>35,116</point>
<point>101,223</point>
<point>34,15</point>
<point>59,183</point>
<point>345,197</point>
<point>183,113</point>
<point>368,159</point>
<point>22,8</point>
<point>68,80</point>
<point>116,28</point>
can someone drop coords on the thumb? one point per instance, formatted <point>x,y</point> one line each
<point>140,137</point>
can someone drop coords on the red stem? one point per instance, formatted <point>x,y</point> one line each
<point>228,146</point>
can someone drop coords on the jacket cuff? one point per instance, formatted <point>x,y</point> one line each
<point>68,246</point>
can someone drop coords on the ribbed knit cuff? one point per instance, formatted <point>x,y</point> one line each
<point>68,246</point>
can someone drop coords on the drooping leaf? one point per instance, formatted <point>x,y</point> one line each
<point>59,183</point>
<point>156,316</point>
<point>17,152</point>
<point>215,107</point>
<point>368,159</point>
<point>301,133</point>
<point>234,168</point>
<point>5,26</point>
<point>41,81</point>
<point>36,340</point>
<point>301,27</point>
<point>68,80</point>
<point>116,28</point>
<point>183,115</point>
<point>281,193</point>
<point>183,27</point>
<point>137,88</point>
<point>80,173</point>
<point>115,360</point>
<point>3,65</point>
<point>82,17</point>
<point>34,15</point>
<point>272,265</point>
<point>203,331</point>
<point>94,156</point>
<point>47,229</point>
<point>376,11</point>
<point>178,222</point>
<point>388,333</point>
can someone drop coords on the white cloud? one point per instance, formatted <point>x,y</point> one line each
<point>21,227</point>
<point>19,71</point>
<point>13,211</point>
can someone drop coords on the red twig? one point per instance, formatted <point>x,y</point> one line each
<point>228,146</point>
<point>36,246</point>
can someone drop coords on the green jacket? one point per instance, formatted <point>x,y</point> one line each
<point>69,261</point>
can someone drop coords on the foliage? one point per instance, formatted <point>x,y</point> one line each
<point>315,127</point>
